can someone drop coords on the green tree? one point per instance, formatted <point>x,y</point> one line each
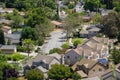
<point>92,5</point>
<point>76,76</point>
<point>29,33</point>
<point>76,42</point>
<point>115,55</point>
<point>72,22</point>
<point>65,46</point>
<point>111,24</point>
<point>59,72</point>
<point>2,38</point>
<point>9,42</point>
<point>34,74</point>
<point>17,20</point>
<point>97,18</point>
<point>28,44</point>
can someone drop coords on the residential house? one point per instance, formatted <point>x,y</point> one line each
<point>93,48</point>
<point>41,62</point>
<point>59,57</point>
<point>8,49</point>
<point>14,38</point>
<point>5,22</point>
<point>111,74</point>
<point>84,33</point>
<point>89,32</point>
<point>6,29</point>
<point>57,24</point>
<point>72,56</point>
<point>89,67</point>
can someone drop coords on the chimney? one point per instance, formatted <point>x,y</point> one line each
<point>62,59</point>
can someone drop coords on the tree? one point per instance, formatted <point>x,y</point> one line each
<point>115,55</point>
<point>17,19</point>
<point>59,72</point>
<point>111,24</point>
<point>76,42</point>
<point>76,76</point>
<point>29,33</point>
<point>34,74</point>
<point>2,38</point>
<point>72,22</point>
<point>92,5</point>
<point>97,18</point>
<point>9,42</point>
<point>28,44</point>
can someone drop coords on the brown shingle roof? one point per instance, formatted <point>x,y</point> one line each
<point>87,63</point>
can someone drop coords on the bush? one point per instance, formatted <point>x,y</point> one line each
<point>71,6</point>
<point>17,56</point>
<point>54,50</point>
<point>76,42</point>
<point>117,9</point>
<point>20,49</point>
<point>40,41</point>
<point>65,46</point>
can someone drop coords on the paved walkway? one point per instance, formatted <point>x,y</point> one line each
<point>55,41</point>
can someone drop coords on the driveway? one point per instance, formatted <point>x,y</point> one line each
<point>55,41</point>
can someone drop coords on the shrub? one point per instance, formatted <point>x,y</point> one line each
<point>65,46</point>
<point>20,48</point>
<point>117,9</point>
<point>40,41</point>
<point>54,50</point>
<point>17,56</point>
<point>76,42</point>
<point>71,6</point>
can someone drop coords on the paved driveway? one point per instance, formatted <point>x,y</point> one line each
<point>55,41</point>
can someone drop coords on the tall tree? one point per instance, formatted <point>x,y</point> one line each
<point>111,24</point>
<point>34,74</point>
<point>29,33</point>
<point>17,19</point>
<point>72,22</point>
<point>59,72</point>
<point>115,55</point>
<point>28,44</point>
<point>2,38</point>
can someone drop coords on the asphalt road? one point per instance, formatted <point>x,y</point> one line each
<point>55,41</point>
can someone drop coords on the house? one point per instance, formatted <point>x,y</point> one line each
<point>93,48</point>
<point>89,32</point>
<point>14,38</point>
<point>72,56</point>
<point>89,67</point>
<point>9,10</point>
<point>45,61</point>
<point>5,22</point>
<point>42,63</point>
<point>57,24</point>
<point>58,57</point>
<point>6,29</point>
<point>84,33</point>
<point>8,49</point>
<point>92,78</point>
<point>111,74</point>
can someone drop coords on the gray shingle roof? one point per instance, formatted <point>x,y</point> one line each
<point>8,47</point>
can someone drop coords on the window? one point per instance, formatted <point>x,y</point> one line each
<point>93,70</point>
<point>100,69</point>
<point>68,56</point>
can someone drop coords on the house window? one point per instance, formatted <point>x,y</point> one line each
<point>75,57</point>
<point>100,69</point>
<point>93,70</point>
<point>68,56</point>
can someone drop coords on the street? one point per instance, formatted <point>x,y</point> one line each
<point>55,41</point>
